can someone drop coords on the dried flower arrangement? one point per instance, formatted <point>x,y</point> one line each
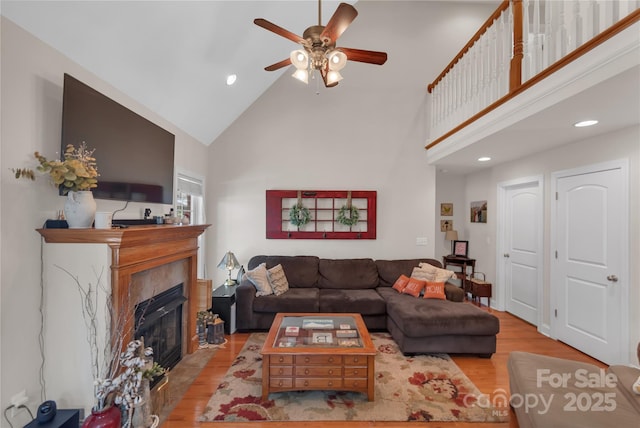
<point>78,171</point>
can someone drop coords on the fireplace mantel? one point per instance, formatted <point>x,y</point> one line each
<point>139,248</point>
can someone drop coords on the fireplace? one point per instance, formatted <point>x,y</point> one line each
<point>159,321</point>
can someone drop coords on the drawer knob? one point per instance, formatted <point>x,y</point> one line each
<point>280,383</point>
<point>330,383</point>
<point>355,372</point>
<point>306,360</point>
<point>355,359</point>
<point>280,371</point>
<point>306,383</point>
<point>330,371</point>
<point>281,359</point>
<point>331,359</point>
<point>306,371</point>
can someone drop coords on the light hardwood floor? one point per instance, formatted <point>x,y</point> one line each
<point>487,374</point>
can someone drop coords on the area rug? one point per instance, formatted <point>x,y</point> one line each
<point>418,388</point>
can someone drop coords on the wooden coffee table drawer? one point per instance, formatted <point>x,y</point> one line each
<point>318,359</point>
<point>355,372</point>
<point>280,371</point>
<point>355,384</point>
<point>282,359</point>
<point>280,382</point>
<point>318,383</point>
<point>355,360</point>
<point>318,371</point>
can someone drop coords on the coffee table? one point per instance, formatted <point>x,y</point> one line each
<point>318,351</point>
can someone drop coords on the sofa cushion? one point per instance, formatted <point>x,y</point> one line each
<point>301,271</point>
<point>259,277</point>
<point>294,300</point>
<point>365,302</point>
<point>431,317</point>
<point>428,272</point>
<point>278,280</point>
<point>352,274</point>
<point>390,270</point>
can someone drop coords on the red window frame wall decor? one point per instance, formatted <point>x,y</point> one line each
<point>324,207</point>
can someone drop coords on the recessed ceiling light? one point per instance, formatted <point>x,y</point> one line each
<point>584,123</point>
<point>231,79</point>
<point>484,159</point>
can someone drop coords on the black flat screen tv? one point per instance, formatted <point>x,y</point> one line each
<point>135,157</point>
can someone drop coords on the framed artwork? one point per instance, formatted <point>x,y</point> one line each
<point>479,212</point>
<point>446,209</point>
<point>460,248</point>
<point>446,225</point>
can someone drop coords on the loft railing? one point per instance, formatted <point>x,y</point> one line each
<point>521,43</point>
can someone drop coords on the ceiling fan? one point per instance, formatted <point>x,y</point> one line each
<point>320,51</point>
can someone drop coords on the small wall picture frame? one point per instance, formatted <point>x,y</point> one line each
<point>479,212</point>
<point>460,248</point>
<point>446,209</point>
<point>446,225</point>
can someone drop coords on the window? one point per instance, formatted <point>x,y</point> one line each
<point>190,204</point>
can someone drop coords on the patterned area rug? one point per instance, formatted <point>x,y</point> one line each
<point>419,388</point>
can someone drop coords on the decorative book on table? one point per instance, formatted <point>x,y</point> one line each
<point>291,330</point>
<point>320,324</point>
<point>346,333</point>
<point>321,338</point>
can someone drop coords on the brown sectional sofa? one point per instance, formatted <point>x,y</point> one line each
<point>364,286</point>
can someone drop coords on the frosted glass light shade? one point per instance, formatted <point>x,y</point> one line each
<point>333,77</point>
<point>337,60</point>
<point>302,75</point>
<point>299,59</point>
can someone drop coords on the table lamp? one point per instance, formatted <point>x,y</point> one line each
<point>451,235</point>
<point>229,262</point>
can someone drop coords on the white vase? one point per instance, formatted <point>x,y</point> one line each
<point>79,209</point>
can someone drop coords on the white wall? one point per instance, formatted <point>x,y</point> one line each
<point>367,133</point>
<point>622,144</point>
<point>32,77</point>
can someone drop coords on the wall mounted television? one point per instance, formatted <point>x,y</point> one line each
<point>135,157</point>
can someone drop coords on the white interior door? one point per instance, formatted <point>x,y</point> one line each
<point>589,274</point>
<point>522,242</point>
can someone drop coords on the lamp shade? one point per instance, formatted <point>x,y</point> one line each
<point>299,59</point>
<point>337,60</point>
<point>229,262</point>
<point>451,235</point>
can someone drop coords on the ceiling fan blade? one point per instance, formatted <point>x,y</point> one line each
<point>371,57</point>
<point>278,30</point>
<point>342,17</point>
<point>278,65</point>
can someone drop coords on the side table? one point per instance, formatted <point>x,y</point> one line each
<point>463,263</point>
<point>223,303</point>
<point>480,289</point>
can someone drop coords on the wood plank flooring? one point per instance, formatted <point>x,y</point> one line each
<point>487,374</point>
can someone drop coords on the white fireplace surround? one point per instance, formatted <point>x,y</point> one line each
<point>136,263</point>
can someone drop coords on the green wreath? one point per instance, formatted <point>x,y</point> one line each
<point>348,216</point>
<point>299,215</point>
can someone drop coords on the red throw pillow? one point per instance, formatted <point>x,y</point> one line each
<point>400,283</point>
<point>434,290</point>
<point>414,287</point>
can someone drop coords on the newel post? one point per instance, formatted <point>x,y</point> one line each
<point>515,71</point>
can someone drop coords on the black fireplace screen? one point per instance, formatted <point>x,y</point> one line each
<point>159,321</point>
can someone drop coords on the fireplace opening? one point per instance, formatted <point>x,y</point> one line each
<point>159,321</point>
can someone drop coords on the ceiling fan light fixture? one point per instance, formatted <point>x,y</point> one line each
<point>337,60</point>
<point>302,75</point>
<point>300,59</point>
<point>333,77</point>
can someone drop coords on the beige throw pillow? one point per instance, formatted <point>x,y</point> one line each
<point>259,278</point>
<point>439,275</point>
<point>423,274</point>
<point>278,280</point>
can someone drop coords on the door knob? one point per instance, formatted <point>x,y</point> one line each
<point>612,278</point>
<point>505,255</point>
